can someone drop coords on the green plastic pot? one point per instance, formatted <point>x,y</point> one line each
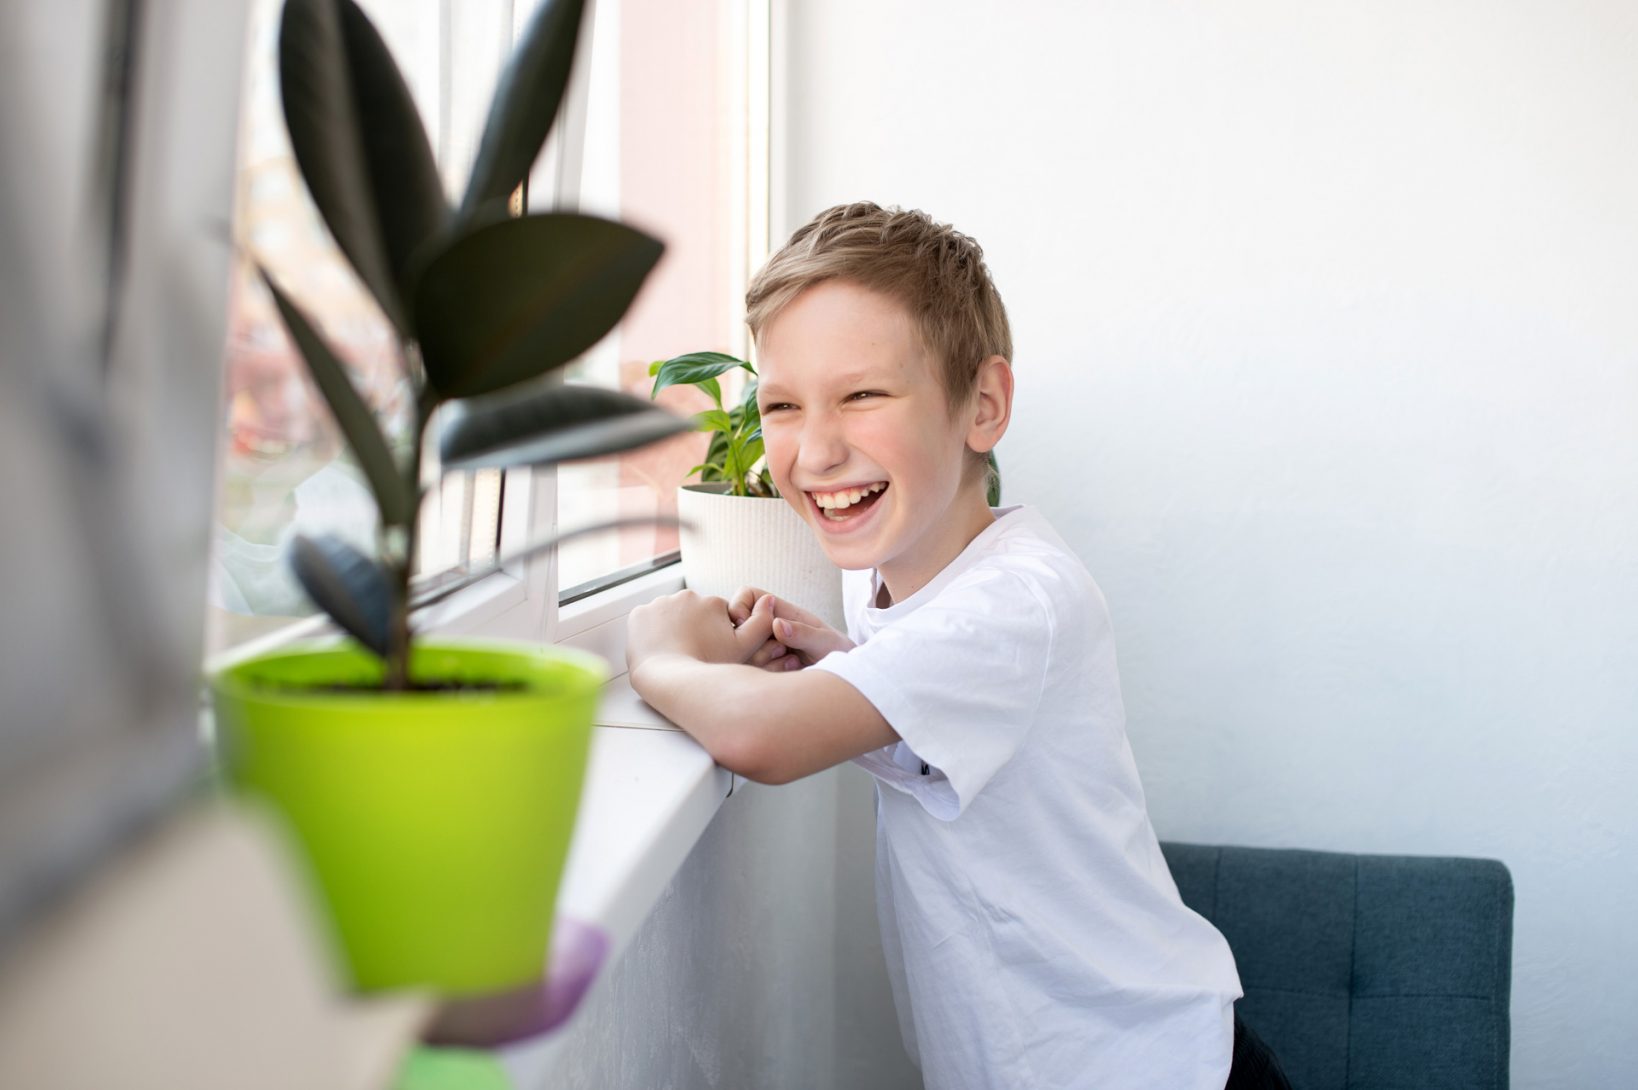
<point>435,824</point>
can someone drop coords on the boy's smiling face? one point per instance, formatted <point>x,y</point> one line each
<point>860,437</point>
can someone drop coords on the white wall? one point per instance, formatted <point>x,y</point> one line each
<point>1327,356</point>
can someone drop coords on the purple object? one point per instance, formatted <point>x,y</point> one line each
<point>500,1018</point>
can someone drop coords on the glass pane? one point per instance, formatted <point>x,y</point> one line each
<point>285,469</point>
<point>661,148</point>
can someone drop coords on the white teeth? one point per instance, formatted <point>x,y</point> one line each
<point>846,498</point>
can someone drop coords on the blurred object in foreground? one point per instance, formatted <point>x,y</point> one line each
<point>144,941</point>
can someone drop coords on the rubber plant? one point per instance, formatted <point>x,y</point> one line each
<point>485,305</point>
<point>736,445</point>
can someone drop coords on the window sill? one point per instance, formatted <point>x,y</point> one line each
<point>650,793</point>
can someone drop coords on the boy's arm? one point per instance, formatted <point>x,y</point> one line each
<point>688,660</point>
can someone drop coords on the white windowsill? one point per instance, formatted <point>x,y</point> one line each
<point>650,793</point>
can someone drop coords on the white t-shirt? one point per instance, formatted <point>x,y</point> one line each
<point>1033,933</point>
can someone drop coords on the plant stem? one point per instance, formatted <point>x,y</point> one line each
<point>398,643</point>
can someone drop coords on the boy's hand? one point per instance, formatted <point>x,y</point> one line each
<point>687,624</point>
<point>798,639</point>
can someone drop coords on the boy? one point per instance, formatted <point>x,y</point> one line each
<point>1033,934</point>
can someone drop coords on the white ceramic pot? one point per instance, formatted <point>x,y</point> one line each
<point>730,542</point>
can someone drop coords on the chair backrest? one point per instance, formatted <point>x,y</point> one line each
<point>1365,972</point>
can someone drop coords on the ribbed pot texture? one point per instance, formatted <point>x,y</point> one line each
<point>730,542</point>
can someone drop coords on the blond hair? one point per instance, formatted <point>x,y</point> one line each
<point>936,272</point>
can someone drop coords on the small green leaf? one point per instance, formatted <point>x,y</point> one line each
<point>752,451</point>
<point>555,424</point>
<point>694,368</point>
<point>993,492</point>
<point>518,298</point>
<point>733,466</point>
<point>714,420</point>
<point>349,586</point>
<point>715,453</point>
<point>713,389</point>
<point>356,420</point>
<point>526,102</point>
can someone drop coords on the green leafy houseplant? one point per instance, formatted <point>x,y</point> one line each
<point>736,431</point>
<point>433,785</point>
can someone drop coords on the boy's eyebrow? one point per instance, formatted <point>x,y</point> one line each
<point>847,378</point>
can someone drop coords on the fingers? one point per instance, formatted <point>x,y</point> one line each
<point>756,628</point>
<point>786,609</point>
<point>741,604</point>
<point>767,653</point>
<point>812,641</point>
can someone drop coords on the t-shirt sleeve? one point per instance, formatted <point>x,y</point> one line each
<point>959,679</point>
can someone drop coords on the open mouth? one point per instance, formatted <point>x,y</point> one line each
<point>847,504</point>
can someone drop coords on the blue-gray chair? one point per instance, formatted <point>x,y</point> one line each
<point>1364,972</point>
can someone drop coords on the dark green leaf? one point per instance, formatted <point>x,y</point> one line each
<point>993,496</point>
<point>356,420</point>
<point>360,145</point>
<point>351,587</point>
<point>694,368</point>
<point>716,453</point>
<point>752,451</point>
<point>404,179</point>
<point>714,420</point>
<point>525,103</point>
<point>556,424</point>
<point>713,390</point>
<point>517,298</point>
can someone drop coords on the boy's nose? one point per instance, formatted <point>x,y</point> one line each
<point>823,447</point>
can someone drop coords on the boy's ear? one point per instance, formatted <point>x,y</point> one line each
<point>992,404</point>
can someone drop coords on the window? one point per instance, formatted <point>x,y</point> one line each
<point>654,132</point>
<point>285,468</point>
<point>674,98</point>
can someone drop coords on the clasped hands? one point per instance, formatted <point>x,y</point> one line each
<point>754,628</point>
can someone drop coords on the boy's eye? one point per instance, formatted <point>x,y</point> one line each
<point>774,406</point>
<point>863,394</point>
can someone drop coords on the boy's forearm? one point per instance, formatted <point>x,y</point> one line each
<point>709,700</point>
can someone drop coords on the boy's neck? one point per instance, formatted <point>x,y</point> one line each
<point>968,518</point>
